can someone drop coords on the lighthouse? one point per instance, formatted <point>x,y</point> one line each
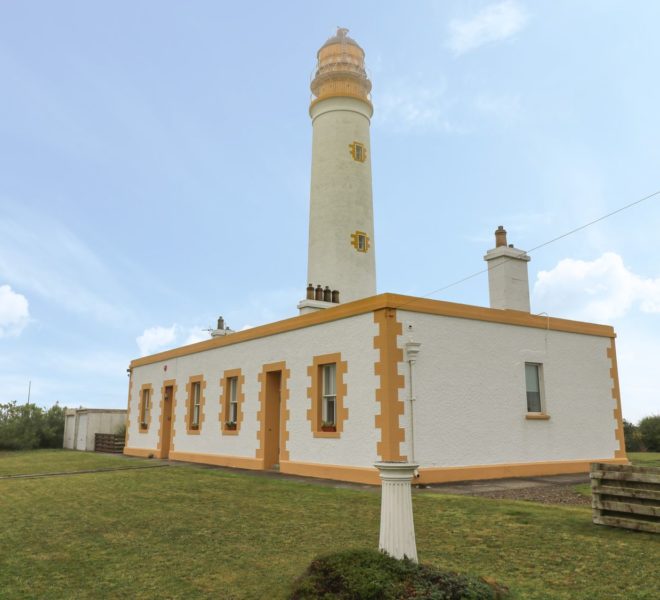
<point>341,265</point>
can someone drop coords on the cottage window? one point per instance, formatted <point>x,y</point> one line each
<point>533,385</point>
<point>195,404</point>
<point>144,408</point>
<point>233,400</point>
<point>329,394</point>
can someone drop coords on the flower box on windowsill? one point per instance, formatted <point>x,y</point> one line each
<point>328,428</point>
<point>194,427</point>
<point>143,426</point>
<point>230,426</point>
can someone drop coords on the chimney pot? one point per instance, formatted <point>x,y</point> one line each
<point>310,292</point>
<point>327,294</point>
<point>221,323</point>
<point>318,293</point>
<point>500,236</point>
<point>335,296</point>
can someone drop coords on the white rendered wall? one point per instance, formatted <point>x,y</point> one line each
<point>69,430</point>
<point>471,399</point>
<point>340,199</point>
<point>352,337</point>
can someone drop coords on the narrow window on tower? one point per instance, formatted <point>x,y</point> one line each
<point>358,151</point>
<point>360,241</point>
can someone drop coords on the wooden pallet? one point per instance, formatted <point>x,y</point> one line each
<point>626,496</point>
<point>109,442</point>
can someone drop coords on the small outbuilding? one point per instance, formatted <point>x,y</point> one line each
<point>81,425</point>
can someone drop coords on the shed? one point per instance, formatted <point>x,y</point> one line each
<point>81,424</point>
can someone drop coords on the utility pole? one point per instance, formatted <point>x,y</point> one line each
<point>29,390</point>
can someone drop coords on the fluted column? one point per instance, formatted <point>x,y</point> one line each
<point>397,528</point>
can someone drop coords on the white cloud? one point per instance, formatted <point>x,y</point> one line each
<point>408,105</point>
<point>44,257</point>
<point>14,313</point>
<point>196,334</point>
<point>598,290</point>
<point>491,24</point>
<point>155,339</point>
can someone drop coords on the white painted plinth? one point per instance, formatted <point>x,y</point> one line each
<point>397,528</point>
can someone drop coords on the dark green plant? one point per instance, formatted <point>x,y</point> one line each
<point>121,430</point>
<point>27,426</point>
<point>372,575</point>
<point>52,427</point>
<point>649,429</point>
<point>632,436</point>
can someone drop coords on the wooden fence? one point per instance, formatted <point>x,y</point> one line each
<point>626,496</point>
<point>109,442</point>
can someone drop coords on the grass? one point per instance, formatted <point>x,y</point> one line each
<point>644,459</point>
<point>61,461</point>
<point>189,532</point>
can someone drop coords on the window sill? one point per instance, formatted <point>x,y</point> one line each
<point>537,416</point>
<point>327,434</point>
<point>230,432</point>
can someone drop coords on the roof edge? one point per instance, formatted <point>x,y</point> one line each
<point>386,300</point>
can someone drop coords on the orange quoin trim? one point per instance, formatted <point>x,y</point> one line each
<point>189,404</point>
<point>144,423</point>
<point>380,302</point>
<point>387,394</point>
<point>166,383</point>
<point>284,411</point>
<point>225,399</point>
<point>315,392</point>
<point>128,410</point>
<point>616,394</point>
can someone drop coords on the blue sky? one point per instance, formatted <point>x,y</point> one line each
<point>155,161</point>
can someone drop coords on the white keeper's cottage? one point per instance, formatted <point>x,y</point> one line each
<point>466,392</point>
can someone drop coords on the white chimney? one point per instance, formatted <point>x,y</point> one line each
<point>508,284</point>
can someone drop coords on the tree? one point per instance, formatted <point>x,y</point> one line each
<point>632,436</point>
<point>649,429</point>
<point>27,426</point>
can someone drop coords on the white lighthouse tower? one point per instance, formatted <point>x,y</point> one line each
<point>341,265</point>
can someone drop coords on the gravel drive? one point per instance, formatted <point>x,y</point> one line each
<point>546,494</point>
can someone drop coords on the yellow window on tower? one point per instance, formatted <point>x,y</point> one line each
<point>360,241</point>
<point>358,151</point>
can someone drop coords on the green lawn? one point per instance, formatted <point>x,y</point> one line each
<point>62,461</point>
<point>189,532</point>
<point>644,459</point>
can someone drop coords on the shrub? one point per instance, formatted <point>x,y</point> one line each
<point>121,430</point>
<point>26,426</point>
<point>649,429</point>
<point>632,436</point>
<point>52,428</point>
<point>372,575</point>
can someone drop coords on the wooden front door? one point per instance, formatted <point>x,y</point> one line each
<point>166,429</point>
<point>273,397</point>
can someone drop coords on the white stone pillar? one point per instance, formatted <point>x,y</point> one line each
<point>397,529</point>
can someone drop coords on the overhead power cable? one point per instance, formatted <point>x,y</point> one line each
<point>551,241</point>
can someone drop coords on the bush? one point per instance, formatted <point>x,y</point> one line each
<point>121,430</point>
<point>26,426</point>
<point>372,575</point>
<point>649,429</point>
<point>632,436</point>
